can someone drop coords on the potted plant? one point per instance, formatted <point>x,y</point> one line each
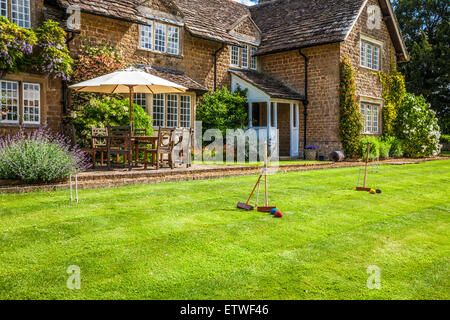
<point>311,153</point>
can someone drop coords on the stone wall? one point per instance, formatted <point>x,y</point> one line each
<point>323,83</point>
<point>51,90</point>
<point>195,60</point>
<point>368,85</point>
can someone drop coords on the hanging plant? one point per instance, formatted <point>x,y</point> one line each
<point>16,44</point>
<point>43,50</point>
<point>53,59</point>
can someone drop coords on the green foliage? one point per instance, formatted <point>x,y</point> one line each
<point>397,148</point>
<point>223,110</point>
<point>17,54</point>
<point>15,44</point>
<point>426,28</point>
<point>374,151</point>
<point>54,58</point>
<point>350,122</point>
<point>416,124</point>
<point>94,61</point>
<point>394,92</point>
<point>445,138</point>
<point>101,112</point>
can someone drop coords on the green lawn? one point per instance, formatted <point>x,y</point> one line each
<point>186,240</point>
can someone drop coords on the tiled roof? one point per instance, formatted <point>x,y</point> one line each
<point>211,19</point>
<point>177,77</point>
<point>208,19</point>
<point>271,86</point>
<point>292,24</point>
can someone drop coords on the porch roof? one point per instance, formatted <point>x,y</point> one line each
<point>271,86</point>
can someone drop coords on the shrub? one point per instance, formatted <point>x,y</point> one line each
<point>39,156</point>
<point>374,147</point>
<point>394,91</point>
<point>223,110</point>
<point>350,121</point>
<point>416,124</point>
<point>445,138</point>
<point>101,112</point>
<point>397,149</point>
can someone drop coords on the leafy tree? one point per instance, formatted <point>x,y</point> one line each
<point>350,121</point>
<point>223,110</point>
<point>426,28</point>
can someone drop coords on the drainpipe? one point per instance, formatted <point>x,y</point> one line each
<point>64,83</point>
<point>305,102</point>
<point>215,64</point>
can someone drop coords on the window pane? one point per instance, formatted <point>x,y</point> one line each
<point>158,110</point>
<point>9,100</point>
<point>172,110</point>
<point>173,40</point>
<point>234,56</point>
<point>141,100</point>
<point>253,63</point>
<point>363,113</point>
<point>21,13</point>
<point>375,119</point>
<point>245,57</point>
<point>185,111</point>
<point>376,58</point>
<point>363,54</point>
<point>31,103</point>
<point>147,36</point>
<point>160,37</point>
<point>369,118</point>
<point>4,8</point>
<point>369,56</point>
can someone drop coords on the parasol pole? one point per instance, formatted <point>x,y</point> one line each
<point>131,105</point>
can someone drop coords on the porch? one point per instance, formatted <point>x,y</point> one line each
<point>273,110</point>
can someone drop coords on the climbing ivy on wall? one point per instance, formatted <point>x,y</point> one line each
<point>350,121</point>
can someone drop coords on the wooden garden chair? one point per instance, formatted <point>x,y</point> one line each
<point>164,147</point>
<point>99,143</point>
<point>183,146</point>
<point>119,143</point>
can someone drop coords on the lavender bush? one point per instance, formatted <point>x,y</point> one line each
<point>39,156</point>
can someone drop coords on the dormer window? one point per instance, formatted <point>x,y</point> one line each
<point>243,57</point>
<point>160,37</point>
<point>20,12</point>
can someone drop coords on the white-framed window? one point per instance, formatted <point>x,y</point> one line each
<point>9,100</point>
<point>244,60</point>
<point>4,8</point>
<point>20,13</point>
<point>370,55</point>
<point>147,36</point>
<point>235,56</point>
<point>160,37</point>
<point>31,103</point>
<point>141,100</point>
<point>253,61</point>
<point>185,116</point>
<point>173,40</point>
<point>172,110</point>
<point>158,110</point>
<point>370,114</point>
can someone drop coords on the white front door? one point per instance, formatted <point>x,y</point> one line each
<point>294,130</point>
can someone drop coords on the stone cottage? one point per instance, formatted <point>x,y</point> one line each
<point>285,52</point>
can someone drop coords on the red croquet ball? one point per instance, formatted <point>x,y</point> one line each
<point>278,214</point>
